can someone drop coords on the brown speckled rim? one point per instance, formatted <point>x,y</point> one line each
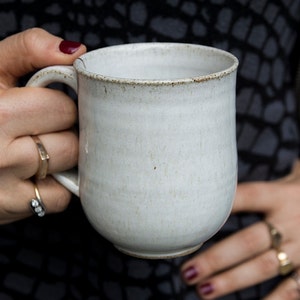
<point>79,64</point>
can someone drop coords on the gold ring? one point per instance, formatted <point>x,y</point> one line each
<point>296,278</point>
<point>36,204</point>
<point>285,265</point>
<point>44,157</point>
<point>276,236</point>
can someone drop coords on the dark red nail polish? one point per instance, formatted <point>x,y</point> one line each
<point>190,273</point>
<point>69,47</point>
<point>206,289</point>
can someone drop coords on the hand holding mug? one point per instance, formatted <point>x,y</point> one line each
<point>27,112</point>
<point>261,251</point>
<point>157,152</point>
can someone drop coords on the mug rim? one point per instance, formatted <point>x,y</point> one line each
<point>80,67</point>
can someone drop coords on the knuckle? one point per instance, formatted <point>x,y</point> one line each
<point>30,152</point>
<point>68,107</point>
<point>31,37</point>
<point>250,240</point>
<point>55,197</point>
<point>267,264</point>
<point>6,209</point>
<point>62,200</point>
<point>71,150</point>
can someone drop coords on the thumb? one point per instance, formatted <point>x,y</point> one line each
<point>258,197</point>
<point>34,49</point>
<point>250,197</point>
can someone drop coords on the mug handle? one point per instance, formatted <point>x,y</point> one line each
<point>68,76</point>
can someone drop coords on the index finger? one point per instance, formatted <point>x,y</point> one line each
<point>257,197</point>
<point>30,50</point>
<point>246,243</point>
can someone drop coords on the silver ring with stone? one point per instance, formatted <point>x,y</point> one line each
<point>36,204</point>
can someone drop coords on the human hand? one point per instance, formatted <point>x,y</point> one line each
<point>28,111</point>
<point>246,258</point>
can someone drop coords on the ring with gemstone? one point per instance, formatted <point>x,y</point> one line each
<point>36,204</point>
<point>285,265</point>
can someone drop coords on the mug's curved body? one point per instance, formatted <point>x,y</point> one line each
<point>158,161</point>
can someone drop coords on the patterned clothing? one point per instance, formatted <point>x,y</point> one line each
<point>61,256</point>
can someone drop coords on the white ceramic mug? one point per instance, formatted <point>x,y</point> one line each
<point>157,162</point>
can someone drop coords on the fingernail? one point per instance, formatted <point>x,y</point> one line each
<point>190,273</point>
<point>206,289</point>
<point>69,47</point>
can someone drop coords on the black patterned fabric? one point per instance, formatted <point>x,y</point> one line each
<point>60,256</point>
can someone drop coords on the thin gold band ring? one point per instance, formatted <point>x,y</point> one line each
<point>44,158</point>
<point>275,235</point>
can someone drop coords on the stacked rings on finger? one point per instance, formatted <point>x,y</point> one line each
<point>37,205</point>
<point>285,265</point>
<point>44,158</point>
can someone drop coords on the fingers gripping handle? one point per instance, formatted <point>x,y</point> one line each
<point>63,74</point>
<point>67,75</point>
<point>69,179</point>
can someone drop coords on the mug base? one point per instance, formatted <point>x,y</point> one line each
<point>159,255</point>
